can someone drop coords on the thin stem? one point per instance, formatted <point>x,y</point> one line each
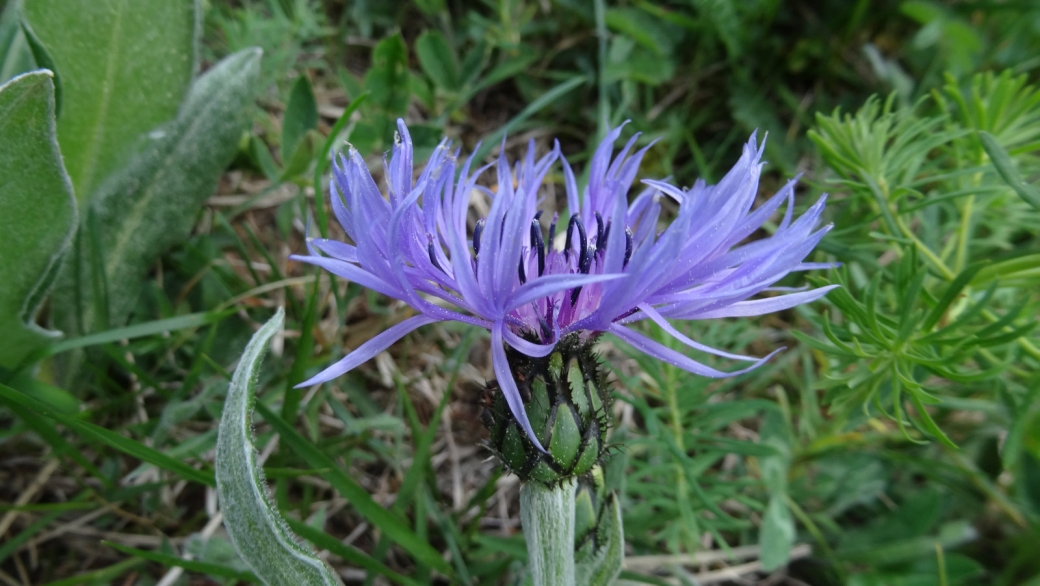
<point>547,515</point>
<point>963,234</point>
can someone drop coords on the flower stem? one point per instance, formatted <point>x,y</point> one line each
<point>547,515</point>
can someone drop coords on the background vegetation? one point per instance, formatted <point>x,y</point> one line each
<point>896,441</point>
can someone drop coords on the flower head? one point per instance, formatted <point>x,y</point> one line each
<point>531,280</point>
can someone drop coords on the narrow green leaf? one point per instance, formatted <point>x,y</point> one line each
<point>13,542</point>
<point>106,436</point>
<point>152,328</point>
<point>533,108</point>
<point>190,565</point>
<point>301,115</point>
<point>15,54</point>
<point>106,575</point>
<point>256,528</point>
<point>120,80</point>
<point>152,204</point>
<point>43,60</point>
<point>950,294</point>
<point>438,60</point>
<point>37,212</point>
<point>603,567</point>
<point>394,527</point>
<point>1002,161</point>
<point>347,553</point>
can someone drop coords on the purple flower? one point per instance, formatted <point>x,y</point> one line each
<point>605,266</point>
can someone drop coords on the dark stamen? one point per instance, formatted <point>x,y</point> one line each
<point>433,255</point>
<point>552,228</point>
<point>583,239</point>
<point>523,274</point>
<point>538,244</point>
<point>585,261</point>
<point>628,247</point>
<point>600,242</point>
<point>584,256</point>
<point>476,235</point>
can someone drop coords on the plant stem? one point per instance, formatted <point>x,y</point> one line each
<point>547,515</point>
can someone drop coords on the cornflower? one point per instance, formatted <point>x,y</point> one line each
<point>602,268</point>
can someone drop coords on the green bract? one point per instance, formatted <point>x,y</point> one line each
<point>566,398</point>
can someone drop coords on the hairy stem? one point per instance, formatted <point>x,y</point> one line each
<point>548,520</point>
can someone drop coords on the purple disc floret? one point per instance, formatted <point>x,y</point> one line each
<point>531,280</point>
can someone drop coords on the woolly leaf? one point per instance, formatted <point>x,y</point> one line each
<point>258,531</point>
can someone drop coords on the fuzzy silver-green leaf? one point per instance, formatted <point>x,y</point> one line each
<point>256,528</point>
<point>37,211</point>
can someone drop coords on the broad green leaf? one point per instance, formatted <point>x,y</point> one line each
<point>108,437</point>
<point>152,204</point>
<point>438,60</point>
<point>643,28</point>
<point>301,115</point>
<point>256,528</point>
<point>1002,161</point>
<point>37,211</point>
<point>777,534</point>
<point>125,72</point>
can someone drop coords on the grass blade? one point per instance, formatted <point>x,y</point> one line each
<point>108,437</point>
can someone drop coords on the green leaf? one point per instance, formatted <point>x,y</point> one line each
<point>121,79</point>
<point>603,566</point>
<point>777,534</point>
<point>15,55</point>
<point>554,93</point>
<point>348,553</point>
<point>642,28</point>
<point>108,437</point>
<point>301,115</point>
<point>391,525</point>
<point>256,528</point>
<point>151,328</point>
<point>1002,161</point>
<point>152,204</point>
<point>388,80</point>
<point>438,60</point>
<point>190,565</point>
<point>37,211</point>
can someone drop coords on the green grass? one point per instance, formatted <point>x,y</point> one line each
<point>896,437</point>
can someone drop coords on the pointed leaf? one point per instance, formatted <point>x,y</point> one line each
<point>1002,161</point>
<point>152,204</point>
<point>604,565</point>
<point>130,447</point>
<point>37,211</point>
<point>438,60</point>
<point>120,80</point>
<point>256,528</point>
<point>301,115</point>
